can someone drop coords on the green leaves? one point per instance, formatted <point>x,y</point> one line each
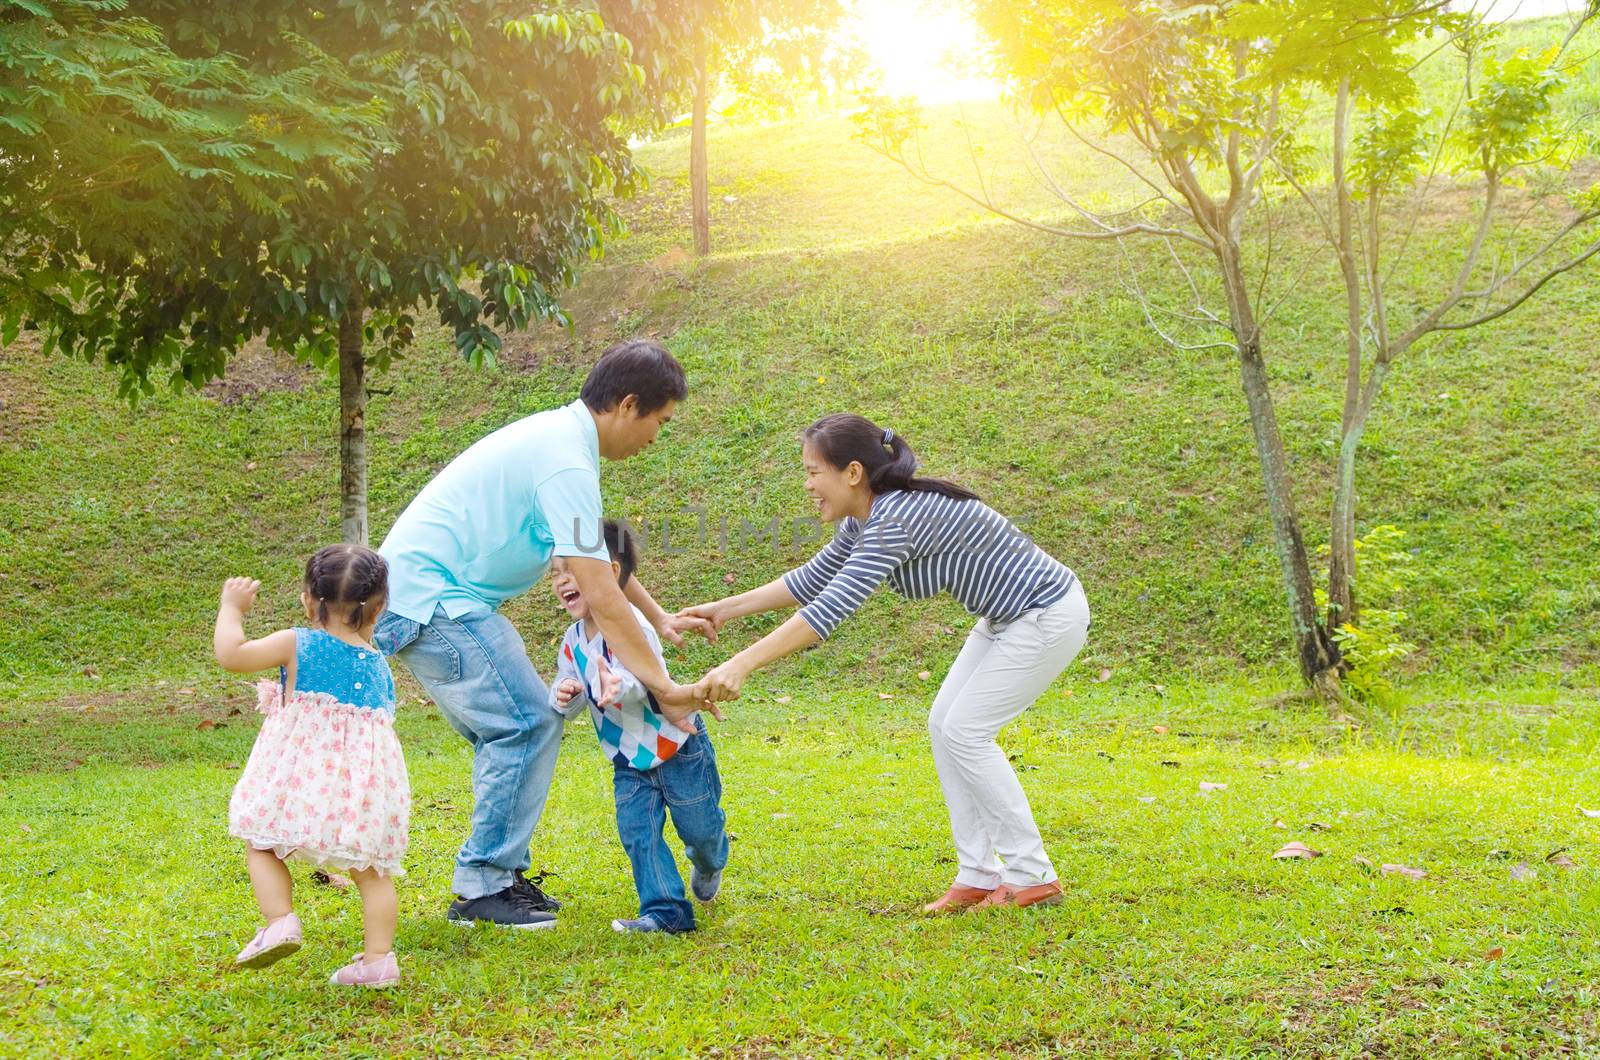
<point>250,183</point>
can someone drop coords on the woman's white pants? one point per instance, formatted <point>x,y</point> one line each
<point>1002,669</point>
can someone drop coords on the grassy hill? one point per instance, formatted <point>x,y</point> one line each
<point>1013,362</point>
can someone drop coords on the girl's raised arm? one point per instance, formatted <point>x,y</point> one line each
<point>233,651</point>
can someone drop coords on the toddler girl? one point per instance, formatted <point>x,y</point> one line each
<point>326,782</point>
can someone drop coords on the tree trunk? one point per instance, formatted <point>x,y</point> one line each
<point>699,180</point>
<point>352,423</point>
<point>1343,606</point>
<point>1315,651</point>
<point>1342,532</point>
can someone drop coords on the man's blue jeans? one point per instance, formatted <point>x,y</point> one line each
<point>476,669</point>
<point>688,786</point>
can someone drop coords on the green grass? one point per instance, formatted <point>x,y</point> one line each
<point>1014,363</point>
<point>123,901</point>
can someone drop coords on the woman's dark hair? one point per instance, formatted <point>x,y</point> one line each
<point>641,367</point>
<point>889,462</point>
<point>348,574</point>
<point>623,547</point>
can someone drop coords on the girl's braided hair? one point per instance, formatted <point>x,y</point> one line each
<point>348,574</point>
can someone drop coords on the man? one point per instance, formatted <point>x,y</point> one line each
<point>483,531</point>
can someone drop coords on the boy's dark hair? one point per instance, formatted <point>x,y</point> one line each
<point>348,574</point>
<point>641,367</point>
<point>623,547</point>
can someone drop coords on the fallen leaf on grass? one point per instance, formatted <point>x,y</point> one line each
<point>1296,849</point>
<point>1403,870</point>
<point>885,695</point>
<point>923,675</point>
<point>332,879</point>
<point>89,671</point>
<point>782,816</point>
<point>1279,824</point>
<point>26,827</point>
<point>1523,871</point>
<point>1494,954</point>
<point>1589,813</point>
<point>1206,785</point>
<point>1363,864</point>
<point>1160,689</point>
<point>728,579</point>
<point>784,699</point>
<point>230,765</point>
<point>1146,799</point>
<point>206,724</point>
<point>1103,676</point>
<point>1159,730</point>
<point>185,691</point>
<point>1318,826</point>
<point>1559,859</point>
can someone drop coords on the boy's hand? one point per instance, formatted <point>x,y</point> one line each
<point>240,593</point>
<point>673,627</point>
<point>566,690</point>
<point>610,684</point>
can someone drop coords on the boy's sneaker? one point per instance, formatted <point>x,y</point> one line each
<point>272,943</point>
<point>539,900</point>
<point>358,972</point>
<point>639,925</point>
<point>705,887</point>
<point>509,908</point>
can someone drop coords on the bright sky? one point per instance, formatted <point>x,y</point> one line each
<point>919,46</point>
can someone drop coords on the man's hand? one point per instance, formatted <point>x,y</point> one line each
<point>724,682</point>
<point>681,702</point>
<point>672,628</point>
<point>240,593</point>
<point>610,684</point>
<point>566,689</point>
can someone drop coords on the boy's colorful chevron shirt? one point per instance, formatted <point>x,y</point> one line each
<point>633,731</point>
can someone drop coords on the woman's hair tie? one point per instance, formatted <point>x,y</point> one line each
<point>888,436</point>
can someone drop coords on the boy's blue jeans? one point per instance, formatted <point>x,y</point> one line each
<point>476,668</point>
<point>688,787</point>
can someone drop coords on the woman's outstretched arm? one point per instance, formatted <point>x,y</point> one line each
<point>794,635</point>
<point>773,596</point>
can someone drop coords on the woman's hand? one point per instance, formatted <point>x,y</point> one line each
<point>566,688</point>
<point>671,628</point>
<point>724,682</point>
<point>713,615</point>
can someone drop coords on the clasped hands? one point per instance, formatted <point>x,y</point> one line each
<point>679,702</point>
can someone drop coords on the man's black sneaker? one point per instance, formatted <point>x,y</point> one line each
<point>508,908</point>
<point>535,895</point>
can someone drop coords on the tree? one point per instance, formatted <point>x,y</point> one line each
<point>113,145</point>
<point>1209,108</point>
<point>502,139</point>
<point>770,53</point>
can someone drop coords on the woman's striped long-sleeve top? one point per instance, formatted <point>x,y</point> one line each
<point>922,544</point>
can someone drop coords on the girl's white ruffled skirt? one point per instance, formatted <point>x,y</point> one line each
<point>325,783</point>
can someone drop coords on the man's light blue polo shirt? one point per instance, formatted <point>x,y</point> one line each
<point>485,528</point>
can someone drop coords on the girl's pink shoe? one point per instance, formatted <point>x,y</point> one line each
<point>383,972</point>
<point>272,943</point>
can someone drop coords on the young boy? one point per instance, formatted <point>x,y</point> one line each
<point>658,767</point>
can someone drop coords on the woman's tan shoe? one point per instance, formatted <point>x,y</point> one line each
<point>958,897</point>
<point>1021,897</point>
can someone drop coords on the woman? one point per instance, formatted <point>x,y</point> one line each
<point>924,536</point>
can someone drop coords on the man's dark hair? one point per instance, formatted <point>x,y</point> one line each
<point>623,547</point>
<point>641,367</point>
